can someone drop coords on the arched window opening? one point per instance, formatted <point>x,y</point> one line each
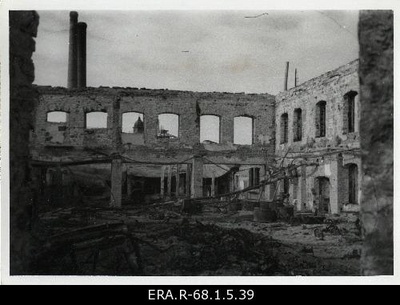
<point>210,128</point>
<point>243,130</point>
<point>349,112</point>
<point>297,125</point>
<point>168,125</point>
<point>132,122</point>
<point>96,120</point>
<point>57,117</point>
<point>320,119</point>
<point>284,128</point>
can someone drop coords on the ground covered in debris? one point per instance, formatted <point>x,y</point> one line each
<point>161,240</point>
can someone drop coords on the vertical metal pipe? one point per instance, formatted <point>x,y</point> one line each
<point>72,56</point>
<point>286,76</point>
<point>81,29</point>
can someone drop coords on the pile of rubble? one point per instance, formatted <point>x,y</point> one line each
<point>163,240</point>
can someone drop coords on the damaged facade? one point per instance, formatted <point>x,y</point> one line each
<point>112,142</point>
<point>317,127</point>
<point>144,161</point>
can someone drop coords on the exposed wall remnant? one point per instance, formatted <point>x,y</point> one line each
<point>376,78</point>
<point>23,28</point>
<point>94,128</point>
<point>152,103</point>
<point>331,87</point>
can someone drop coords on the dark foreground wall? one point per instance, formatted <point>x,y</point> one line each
<point>23,27</point>
<point>376,80</point>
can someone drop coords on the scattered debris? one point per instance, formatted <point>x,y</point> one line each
<point>164,239</point>
<point>319,233</point>
<point>332,227</point>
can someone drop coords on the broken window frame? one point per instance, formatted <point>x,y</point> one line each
<point>252,129</point>
<point>297,125</point>
<point>349,112</point>
<point>320,119</point>
<point>58,122</point>
<point>133,112</point>
<point>284,128</point>
<point>219,127</point>
<point>159,134</point>
<point>92,112</point>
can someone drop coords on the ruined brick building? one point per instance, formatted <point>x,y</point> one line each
<point>318,121</point>
<point>80,137</point>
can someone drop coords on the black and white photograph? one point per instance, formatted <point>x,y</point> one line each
<point>236,142</point>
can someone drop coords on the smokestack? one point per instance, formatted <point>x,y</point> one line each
<point>286,75</point>
<point>295,77</point>
<point>81,30</point>
<point>72,57</point>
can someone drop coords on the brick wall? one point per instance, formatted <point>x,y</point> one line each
<point>188,105</point>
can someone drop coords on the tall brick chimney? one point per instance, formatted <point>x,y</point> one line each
<point>72,57</point>
<point>77,52</point>
<point>81,73</point>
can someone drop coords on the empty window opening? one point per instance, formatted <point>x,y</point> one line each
<point>322,195</point>
<point>353,176</point>
<point>320,119</point>
<point>57,117</point>
<point>132,122</point>
<point>254,176</point>
<point>209,128</point>
<point>284,128</point>
<point>349,112</point>
<point>168,125</point>
<point>243,130</point>
<point>272,191</point>
<point>95,120</point>
<point>207,187</point>
<point>297,125</point>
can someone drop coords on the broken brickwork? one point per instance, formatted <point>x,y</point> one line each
<point>189,106</point>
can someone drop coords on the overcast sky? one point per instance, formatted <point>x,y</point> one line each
<point>198,50</point>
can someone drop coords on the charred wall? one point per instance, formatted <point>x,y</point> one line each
<point>23,29</point>
<point>376,78</point>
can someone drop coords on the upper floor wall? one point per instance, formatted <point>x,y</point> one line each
<point>112,103</point>
<point>322,112</point>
